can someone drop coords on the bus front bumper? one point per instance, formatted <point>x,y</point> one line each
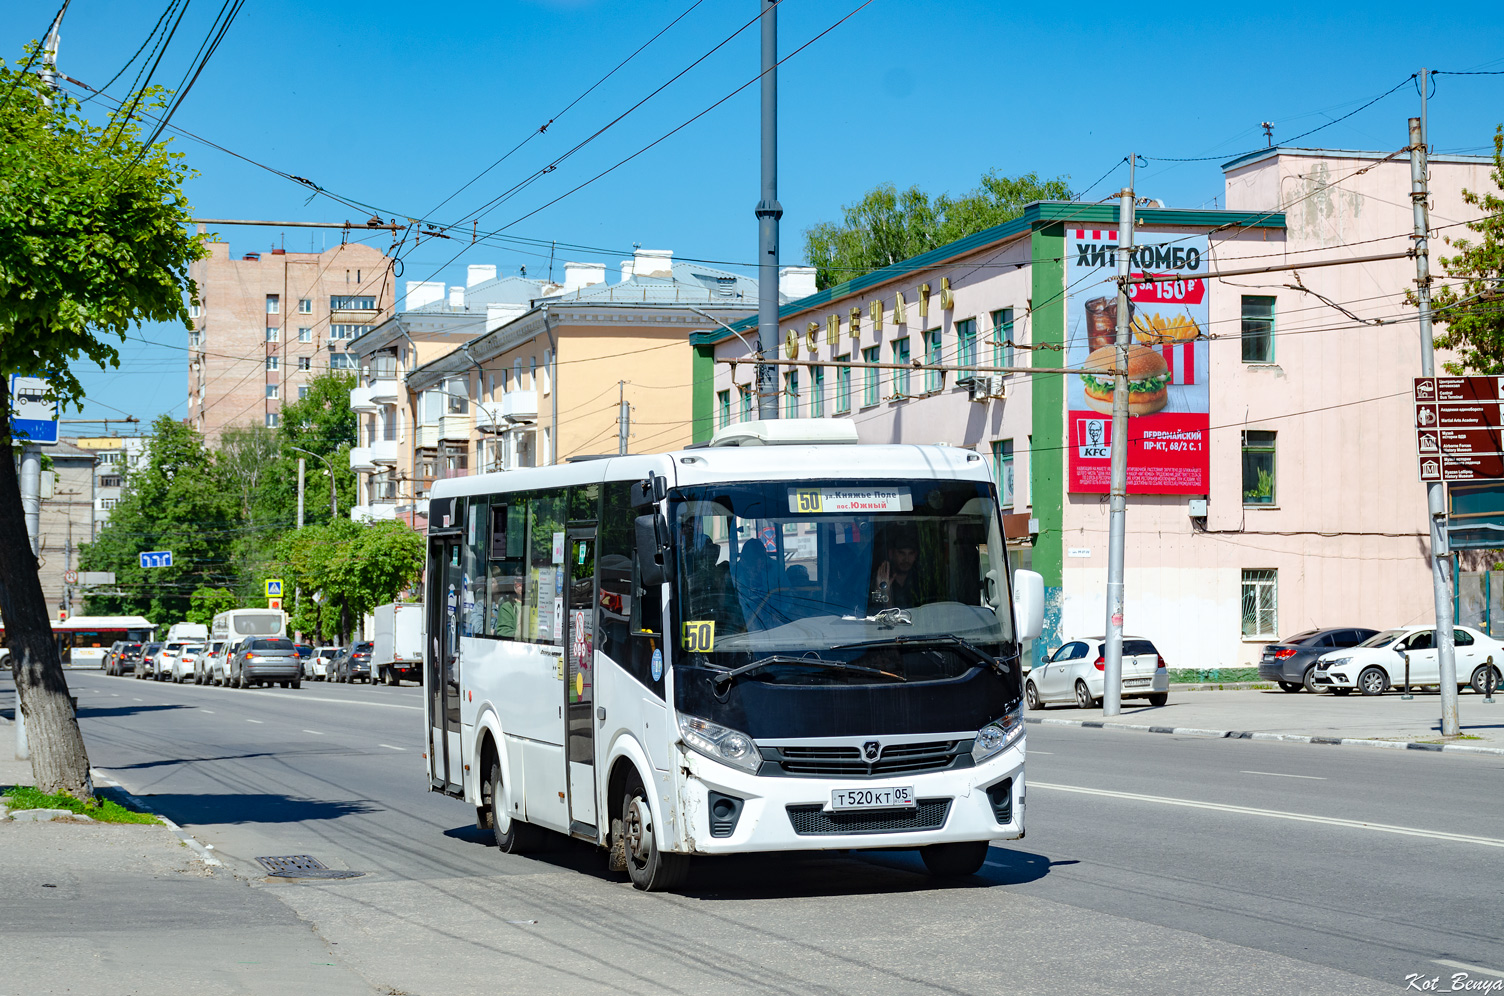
<point>792,813</point>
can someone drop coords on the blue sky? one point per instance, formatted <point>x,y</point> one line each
<point>397,105</point>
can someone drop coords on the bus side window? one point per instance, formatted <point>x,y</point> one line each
<point>630,618</point>
<point>506,571</point>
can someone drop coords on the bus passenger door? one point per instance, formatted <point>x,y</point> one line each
<point>579,686</point>
<point>441,683</point>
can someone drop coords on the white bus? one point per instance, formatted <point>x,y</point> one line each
<point>232,626</point>
<point>731,649</point>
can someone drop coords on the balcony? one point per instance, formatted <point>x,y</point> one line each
<point>354,316</point>
<point>360,459</point>
<point>455,428</point>
<point>488,417</point>
<point>384,390</point>
<point>428,436</point>
<point>360,400</point>
<point>519,406</point>
<point>374,513</point>
<point>382,451</point>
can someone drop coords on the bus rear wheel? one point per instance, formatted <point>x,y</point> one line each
<point>954,860</point>
<point>650,869</point>
<point>513,836</point>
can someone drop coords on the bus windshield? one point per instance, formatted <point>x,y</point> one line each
<point>836,570</point>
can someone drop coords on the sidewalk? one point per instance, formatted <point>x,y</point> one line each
<point>1385,720</point>
<point>123,909</point>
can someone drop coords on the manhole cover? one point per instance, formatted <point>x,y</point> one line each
<point>302,866</point>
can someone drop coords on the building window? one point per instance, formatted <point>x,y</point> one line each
<point>817,392</point>
<point>934,380</point>
<point>966,343</point>
<point>305,363</point>
<point>746,392</point>
<point>1260,604</point>
<point>1002,337</point>
<point>901,375</point>
<point>348,331</point>
<point>305,335</point>
<point>342,361</point>
<point>458,396</point>
<point>548,362</point>
<point>110,480</point>
<point>506,380</point>
<point>105,504</point>
<point>723,408</point>
<point>273,304</point>
<point>349,302</point>
<point>272,418</point>
<point>194,311</point>
<point>305,306</point>
<point>271,363</point>
<point>272,391</point>
<point>195,338</point>
<point>517,372</point>
<point>532,371</point>
<point>302,392</point>
<point>1258,329</point>
<point>1258,467</point>
<point>791,394</point>
<point>843,384</point>
<point>1002,458</point>
<point>273,334</point>
<point>871,377</point>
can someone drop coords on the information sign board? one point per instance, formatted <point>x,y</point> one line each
<point>1459,428</point>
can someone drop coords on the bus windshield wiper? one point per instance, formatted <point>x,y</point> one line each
<point>944,639</point>
<point>723,679</point>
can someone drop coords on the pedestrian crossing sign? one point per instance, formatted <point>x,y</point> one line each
<point>274,588</point>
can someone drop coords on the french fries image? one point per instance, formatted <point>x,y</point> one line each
<point>1156,330</point>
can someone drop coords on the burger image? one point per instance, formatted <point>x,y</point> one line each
<point>1148,380</point>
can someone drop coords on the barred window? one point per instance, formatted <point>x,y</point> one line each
<point>1260,603</point>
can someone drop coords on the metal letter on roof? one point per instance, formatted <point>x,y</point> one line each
<point>876,308</point>
<point>833,329</point>
<point>856,322</point>
<point>924,300</point>
<point>809,333</point>
<point>947,299</point>
<point>791,344</point>
<point>900,311</point>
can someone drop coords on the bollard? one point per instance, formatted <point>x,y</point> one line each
<point>1406,693</point>
<point>1490,681</point>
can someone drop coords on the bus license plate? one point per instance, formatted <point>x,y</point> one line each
<point>893,797</point>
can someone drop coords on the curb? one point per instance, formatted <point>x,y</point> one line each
<point>202,852</point>
<point>1299,738</point>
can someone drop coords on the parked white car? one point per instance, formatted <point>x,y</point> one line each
<point>322,658</point>
<point>184,662</point>
<point>1075,673</point>
<point>203,668</point>
<point>1378,663</point>
<point>165,661</point>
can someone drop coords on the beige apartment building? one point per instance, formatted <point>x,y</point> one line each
<point>267,323</point>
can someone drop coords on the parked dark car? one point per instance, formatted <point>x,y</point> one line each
<point>354,664</point>
<point>305,654</point>
<point>1292,661</point>
<point>262,660</point>
<point>146,664</point>
<point>123,658</point>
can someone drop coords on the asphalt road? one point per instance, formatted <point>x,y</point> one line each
<point>1153,864</point>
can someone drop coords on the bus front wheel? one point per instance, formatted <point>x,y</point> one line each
<point>650,869</point>
<point>513,836</point>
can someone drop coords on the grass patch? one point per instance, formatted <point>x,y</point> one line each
<point>103,809</point>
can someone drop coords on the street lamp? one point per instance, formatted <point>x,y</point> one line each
<point>333,495</point>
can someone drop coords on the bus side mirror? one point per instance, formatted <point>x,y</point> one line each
<point>1028,605</point>
<point>653,565</point>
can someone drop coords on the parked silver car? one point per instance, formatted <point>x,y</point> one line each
<point>262,660</point>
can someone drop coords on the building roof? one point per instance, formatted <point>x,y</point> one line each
<point>1035,215</point>
<point>1289,150</point>
<point>691,283</point>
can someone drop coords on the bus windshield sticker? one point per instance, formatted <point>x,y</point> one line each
<point>699,637</point>
<point>815,500</point>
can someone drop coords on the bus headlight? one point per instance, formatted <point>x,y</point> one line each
<point>720,743</point>
<point>999,734</point>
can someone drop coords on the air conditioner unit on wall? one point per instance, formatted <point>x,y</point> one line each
<point>984,387</point>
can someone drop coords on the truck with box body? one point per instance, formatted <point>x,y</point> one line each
<point>397,651</point>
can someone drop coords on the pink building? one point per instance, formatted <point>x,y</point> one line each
<point>1273,487</point>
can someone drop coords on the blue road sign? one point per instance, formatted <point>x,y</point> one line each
<point>35,417</point>
<point>157,558</point>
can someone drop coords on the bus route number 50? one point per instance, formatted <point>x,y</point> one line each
<point>699,636</point>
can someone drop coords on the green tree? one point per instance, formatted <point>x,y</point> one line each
<point>1471,310</point>
<point>351,567</point>
<point>176,500</point>
<point>322,423</point>
<point>93,240</point>
<point>206,603</point>
<point>888,226</point>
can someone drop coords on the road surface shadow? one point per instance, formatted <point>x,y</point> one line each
<point>794,875</point>
<point>103,712</point>
<point>194,810</point>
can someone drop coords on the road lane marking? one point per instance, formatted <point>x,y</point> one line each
<point>390,747</point>
<point>324,698</point>
<point>1276,814</point>
<point>314,732</point>
<point>209,711</point>
<point>253,721</point>
<point>114,695</point>
<point>1041,752</point>
<point>136,699</point>
<point>1281,774</point>
<point>1468,968</point>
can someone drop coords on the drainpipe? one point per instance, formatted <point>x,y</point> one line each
<point>412,473</point>
<point>553,388</point>
<point>480,391</point>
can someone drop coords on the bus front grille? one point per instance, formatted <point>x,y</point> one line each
<point>810,821</point>
<point>847,762</point>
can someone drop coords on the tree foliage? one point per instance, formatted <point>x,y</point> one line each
<point>888,225</point>
<point>351,568</point>
<point>206,603</point>
<point>1472,310</point>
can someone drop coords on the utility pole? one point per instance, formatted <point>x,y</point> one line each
<point>623,420</point>
<point>1112,672</point>
<point>1436,502</point>
<point>768,213</point>
<point>302,461</point>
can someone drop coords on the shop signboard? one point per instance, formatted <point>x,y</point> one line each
<point>1169,393</point>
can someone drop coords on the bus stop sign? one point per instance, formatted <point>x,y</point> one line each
<point>34,416</point>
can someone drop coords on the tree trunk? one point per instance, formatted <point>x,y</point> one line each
<point>59,761</point>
